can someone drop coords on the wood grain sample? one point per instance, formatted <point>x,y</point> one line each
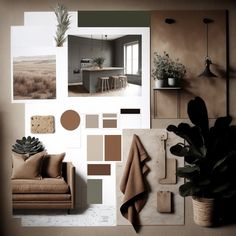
<point>164,202</point>
<point>171,165</point>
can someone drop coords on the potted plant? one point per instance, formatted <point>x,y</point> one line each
<point>210,154</point>
<point>98,61</point>
<point>28,146</point>
<point>160,68</point>
<point>176,72</point>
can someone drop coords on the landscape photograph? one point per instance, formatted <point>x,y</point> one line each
<point>34,77</point>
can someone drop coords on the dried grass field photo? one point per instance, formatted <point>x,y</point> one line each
<point>34,77</point>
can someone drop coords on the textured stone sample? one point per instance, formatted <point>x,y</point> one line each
<point>42,124</point>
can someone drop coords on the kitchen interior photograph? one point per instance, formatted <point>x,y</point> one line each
<point>104,65</point>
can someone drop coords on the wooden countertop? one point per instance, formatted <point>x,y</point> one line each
<point>103,69</point>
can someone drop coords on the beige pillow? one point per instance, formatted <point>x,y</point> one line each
<point>52,165</point>
<point>27,167</point>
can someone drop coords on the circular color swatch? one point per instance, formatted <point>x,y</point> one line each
<point>70,120</point>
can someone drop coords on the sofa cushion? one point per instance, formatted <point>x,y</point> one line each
<point>41,197</point>
<point>45,185</point>
<point>52,165</point>
<point>27,167</point>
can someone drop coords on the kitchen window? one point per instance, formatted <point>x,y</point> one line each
<point>131,58</point>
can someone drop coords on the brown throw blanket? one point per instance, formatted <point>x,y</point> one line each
<point>133,183</point>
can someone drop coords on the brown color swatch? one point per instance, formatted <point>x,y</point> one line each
<point>109,123</point>
<point>164,202</point>
<point>112,147</point>
<point>42,124</point>
<point>171,165</point>
<point>70,120</point>
<point>99,169</point>
<point>92,121</point>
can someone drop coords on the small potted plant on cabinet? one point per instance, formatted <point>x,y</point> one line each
<point>210,154</point>
<point>176,72</point>
<point>160,68</point>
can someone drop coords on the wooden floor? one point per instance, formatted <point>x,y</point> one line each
<point>129,90</point>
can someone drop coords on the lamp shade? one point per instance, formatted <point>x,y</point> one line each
<point>207,72</point>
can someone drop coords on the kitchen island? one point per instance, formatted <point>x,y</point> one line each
<point>90,76</point>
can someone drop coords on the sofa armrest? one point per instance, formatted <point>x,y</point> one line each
<point>70,176</point>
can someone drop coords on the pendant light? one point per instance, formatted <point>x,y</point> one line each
<point>207,72</point>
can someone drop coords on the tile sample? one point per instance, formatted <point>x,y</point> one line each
<point>42,124</point>
<point>94,191</point>
<point>70,120</point>
<point>164,202</point>
<point>95,148</point>
<point>91,121</point>
<point>109,123</point>
<point>171,164</point>
<point>112,147</point>
<point>99,169</point>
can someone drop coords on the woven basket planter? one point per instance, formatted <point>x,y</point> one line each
<point>203,211</point>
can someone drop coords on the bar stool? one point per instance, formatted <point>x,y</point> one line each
<point>123,80</point>
<point>104,82</point>
<point>115,81</point>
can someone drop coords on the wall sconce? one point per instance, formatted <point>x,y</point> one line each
<point>207,72</point>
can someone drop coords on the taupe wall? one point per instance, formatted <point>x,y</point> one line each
<point>12,116</point>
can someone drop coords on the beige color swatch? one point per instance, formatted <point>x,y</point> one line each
<point>112,147</point>
<point>164,202</point>
<point>171,165</point>
<point>94,147</point>
<point>42,124</point>
<point>109,115</point>
<point>92,121</point>
<point>70,120</point>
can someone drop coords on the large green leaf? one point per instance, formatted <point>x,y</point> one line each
<point>179,150</point>
<point>189,189</point>
<point>198,115</point>
<point>187,171</point>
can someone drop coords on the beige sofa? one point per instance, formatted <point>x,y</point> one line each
<point>46,193</point>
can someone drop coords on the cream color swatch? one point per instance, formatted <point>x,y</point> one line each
<point>94,147</point>
<point>153,143</point>
<point>42,124</point>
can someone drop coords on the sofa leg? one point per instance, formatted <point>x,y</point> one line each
<point>68,211</point>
